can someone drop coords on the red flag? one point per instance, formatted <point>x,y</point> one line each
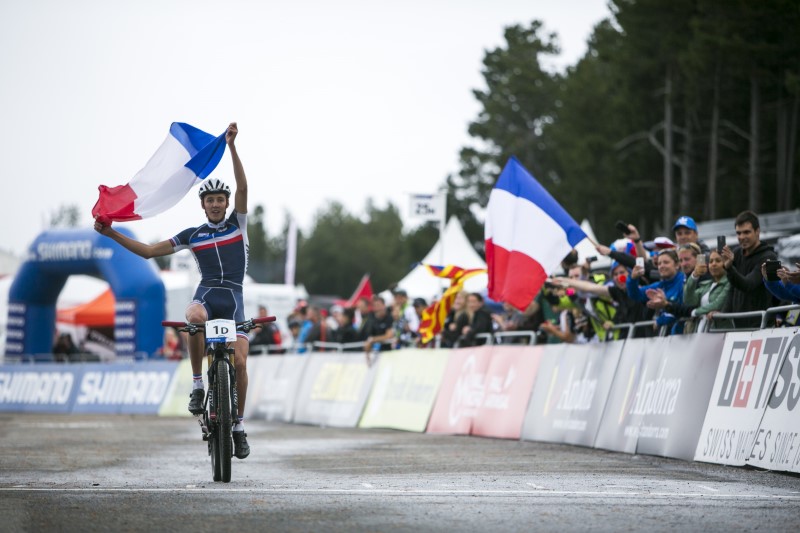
<point>364,290</point>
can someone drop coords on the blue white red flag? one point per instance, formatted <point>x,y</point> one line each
<point>187,156</point>
<point>527,235</point>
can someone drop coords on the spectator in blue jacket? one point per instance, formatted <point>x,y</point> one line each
<point>661,293</point>
<point>787,287</point>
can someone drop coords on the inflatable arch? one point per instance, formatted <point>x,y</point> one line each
<point>57,254</point>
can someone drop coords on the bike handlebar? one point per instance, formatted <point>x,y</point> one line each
<point>199,326</point>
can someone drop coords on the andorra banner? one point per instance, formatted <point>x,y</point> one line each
<point>570,393</point>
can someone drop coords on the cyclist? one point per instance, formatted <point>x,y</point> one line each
<point>220,248</point>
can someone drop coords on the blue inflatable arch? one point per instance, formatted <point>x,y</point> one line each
<point>57,254</point>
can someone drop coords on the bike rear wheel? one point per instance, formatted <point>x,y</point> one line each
<point>222,441</point>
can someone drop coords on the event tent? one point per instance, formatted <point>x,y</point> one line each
<point>452,248</point>
<point>97,312</point>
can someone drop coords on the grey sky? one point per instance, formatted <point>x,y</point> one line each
<point>335,100</point>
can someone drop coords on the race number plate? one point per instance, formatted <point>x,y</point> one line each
<point>220,331</point>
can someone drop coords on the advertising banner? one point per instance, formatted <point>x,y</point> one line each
<point>624,411</point>
<point>777,444</point>
<point>747,372</point>
<point>673,403</point>
<point>136,388</point>
<point>461,392</point>
<point>333,390</point>
<point>507,389</point>
<point>41,388</point>
<point>404,390</point>
<point>176,401</point>
<point>279,383</point>
<point>570,392</point>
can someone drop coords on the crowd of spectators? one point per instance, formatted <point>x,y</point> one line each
<point>669,285</point>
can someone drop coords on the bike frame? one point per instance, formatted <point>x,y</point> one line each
<point>220,353</point>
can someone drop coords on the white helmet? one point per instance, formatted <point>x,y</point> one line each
<point>213,186</point>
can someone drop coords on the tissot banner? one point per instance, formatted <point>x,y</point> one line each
<point>333,390</point>
<point>570,393</point>
<point>672,402</point>
<point>776,446</point>
<point>747,372</point>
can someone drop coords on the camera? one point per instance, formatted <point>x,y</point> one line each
<point>720,243</point>
<point>771,267</point>
<point>622,227</point>
<point>591,259</point>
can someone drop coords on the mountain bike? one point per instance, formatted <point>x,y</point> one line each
<point>220,406</point>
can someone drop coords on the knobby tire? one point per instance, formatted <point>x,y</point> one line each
<point>222,406</point>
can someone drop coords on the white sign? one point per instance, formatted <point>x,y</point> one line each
<point>428,206</point>
<point>747,373</point>
<point>777,444</point>
<point>220,331</point>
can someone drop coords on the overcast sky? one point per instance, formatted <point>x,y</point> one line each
<point>335,100</point>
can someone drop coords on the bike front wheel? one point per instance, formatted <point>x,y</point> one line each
<point>223,439</point>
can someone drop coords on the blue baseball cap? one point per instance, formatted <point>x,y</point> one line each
<point>685,222</point>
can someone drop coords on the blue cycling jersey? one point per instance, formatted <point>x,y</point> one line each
<point>219,249</point>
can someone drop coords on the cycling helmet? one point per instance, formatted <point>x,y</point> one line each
<point>213,186</point>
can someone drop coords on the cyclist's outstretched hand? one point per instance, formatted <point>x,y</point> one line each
<point>101,227</point>
<point>230,135</point>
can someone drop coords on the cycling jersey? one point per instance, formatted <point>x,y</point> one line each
<point>219,249</point>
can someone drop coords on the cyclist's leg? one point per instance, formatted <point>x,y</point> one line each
<point>241,349</point>
<point>197,343</point>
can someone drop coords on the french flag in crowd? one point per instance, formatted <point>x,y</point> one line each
<point>527,235</point>
<point>185,158</point>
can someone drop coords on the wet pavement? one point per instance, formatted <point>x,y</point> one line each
<point>133,473</point>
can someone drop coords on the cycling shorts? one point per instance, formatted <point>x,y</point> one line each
<point>220,302</point>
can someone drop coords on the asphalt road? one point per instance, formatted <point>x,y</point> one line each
<point>122,473</point>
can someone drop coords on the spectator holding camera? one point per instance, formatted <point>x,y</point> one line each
<point>782,283</point>
<point>743,268</point>
<point>707,296</point>
<point>627,311</point>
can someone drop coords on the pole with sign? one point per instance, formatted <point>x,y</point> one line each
<point>431,207</point>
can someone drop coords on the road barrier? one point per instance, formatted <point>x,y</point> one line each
<point>728,398</point>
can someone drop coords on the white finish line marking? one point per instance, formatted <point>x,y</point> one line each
<point>704,487</point>
<point>409,492</point>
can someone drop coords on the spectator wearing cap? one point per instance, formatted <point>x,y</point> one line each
<point>685,230</point>
<point>743,267</point>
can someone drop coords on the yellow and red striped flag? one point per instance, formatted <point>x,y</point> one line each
<point>434,315</point>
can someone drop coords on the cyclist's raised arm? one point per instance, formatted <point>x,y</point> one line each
<point>240,198</point>
<point>139,248</point>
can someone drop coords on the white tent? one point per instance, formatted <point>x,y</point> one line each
<point>452,248</point>
<point>586,249</point>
